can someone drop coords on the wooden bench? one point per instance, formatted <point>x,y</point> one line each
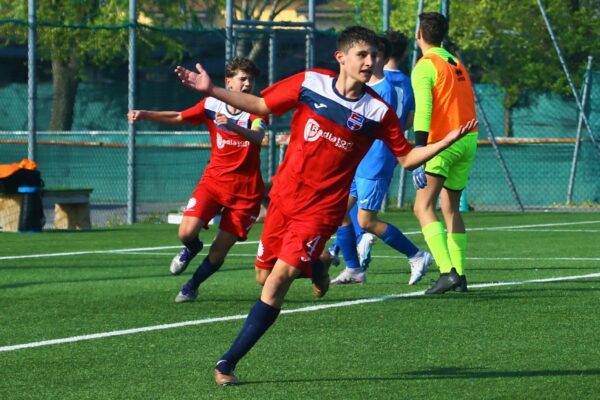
<point>71,208</point>
<point>10,209</point>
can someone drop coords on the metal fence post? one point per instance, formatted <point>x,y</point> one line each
<point>272,163</point>
<point>310,35</point>
<point>586,94</point>
<point>131,191</point>
<point>31,81</point>
<point>385,15</point>
<point>228,30</point>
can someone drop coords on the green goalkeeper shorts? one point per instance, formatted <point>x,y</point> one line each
<point>455,162</point>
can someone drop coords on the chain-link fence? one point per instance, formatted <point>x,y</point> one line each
<point>531,169</point>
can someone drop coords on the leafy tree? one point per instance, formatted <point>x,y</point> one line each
<point>506,42</point>
<point>75,34</point>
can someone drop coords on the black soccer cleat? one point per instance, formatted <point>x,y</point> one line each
<point>446,281</point>
<point>462,285</point>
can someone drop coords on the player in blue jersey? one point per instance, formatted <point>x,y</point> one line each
<point>406,99</point>
<point>405,109</point>
<point>368,191</point>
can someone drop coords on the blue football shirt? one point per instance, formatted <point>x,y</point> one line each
<point>379,162</point>
<point>404,92</point>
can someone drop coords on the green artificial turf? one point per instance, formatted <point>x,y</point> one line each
<point>514,341</point>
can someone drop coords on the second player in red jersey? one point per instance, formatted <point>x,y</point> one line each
<point>231,183</point>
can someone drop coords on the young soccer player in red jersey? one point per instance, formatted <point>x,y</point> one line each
<point>232,180</point>
<point>336,120</point>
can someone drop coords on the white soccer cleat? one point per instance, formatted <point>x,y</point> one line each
<point>350,276</point>
<point>186,296</point>
<point>181,261</point>
<point>418,266</point>
<point>363,249</point>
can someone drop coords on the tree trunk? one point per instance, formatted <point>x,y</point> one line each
<point>257,48</point>
<point>508,117</point>
<point>251,49</point>
<point>65,82</point>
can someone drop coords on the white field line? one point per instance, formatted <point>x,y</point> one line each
<point>297,310</point>
<point>401,256</point>
<point>527,230</point>
<point>116,251</point>
<point>503,258</point>
<point>140,253</point>
<point>535,225</point>
<point>142,249</point>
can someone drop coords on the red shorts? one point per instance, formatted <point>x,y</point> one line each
<point>290,240</point>
<point>205,204</point>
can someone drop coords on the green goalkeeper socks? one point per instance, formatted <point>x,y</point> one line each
<point>457,247</point>
<point>435,236</point>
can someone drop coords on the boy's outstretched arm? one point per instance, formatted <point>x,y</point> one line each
<point>200,81</point>
<point>418,156</point>
<point>163,117</point>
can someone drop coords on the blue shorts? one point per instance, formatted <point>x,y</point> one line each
<point>369,193</point>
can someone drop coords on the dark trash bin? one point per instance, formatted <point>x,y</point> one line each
<point>31,218</point>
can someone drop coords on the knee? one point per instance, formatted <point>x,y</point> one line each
<point>367,222</point>
<point>261,276</point>
<point>447,208</point>
<point>420,210</point>
<point>260,280</point>
<point>416,209</point>
<point>187,235</point>
<point>364,224</point>
<point>216,259</point>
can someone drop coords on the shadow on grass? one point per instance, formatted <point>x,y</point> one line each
<point>177,283</point>
<point>438,374</point>
<point>71,281</point>
<point>108,265</point>
<point>467,373</point>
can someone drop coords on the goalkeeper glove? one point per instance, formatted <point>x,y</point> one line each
<point>418,175</point>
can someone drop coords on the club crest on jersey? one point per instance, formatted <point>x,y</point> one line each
<point>355,121</point>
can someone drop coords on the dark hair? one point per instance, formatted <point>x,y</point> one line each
<point>241,64</point>
<point>434,27</point>
<point>398,43</point>
<point>384,46</point>
<point>353,35</point>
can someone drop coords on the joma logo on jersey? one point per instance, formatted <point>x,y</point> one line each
<point>355,121</point>
<point>313,131</point>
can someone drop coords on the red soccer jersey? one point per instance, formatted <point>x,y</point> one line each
<point>330,134</point>
<point>234,166</point>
